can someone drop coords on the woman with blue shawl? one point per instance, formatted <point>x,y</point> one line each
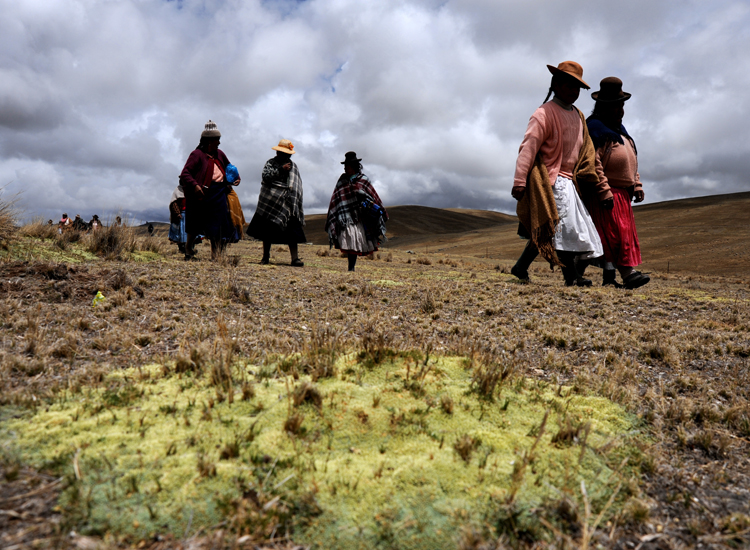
<point>619,180</point>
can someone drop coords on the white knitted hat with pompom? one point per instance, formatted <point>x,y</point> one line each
<point>211,130</point>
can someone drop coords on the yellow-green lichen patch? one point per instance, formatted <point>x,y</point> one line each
<point>403,445</point>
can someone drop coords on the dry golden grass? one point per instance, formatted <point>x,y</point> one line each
<point>8,219</point>
<point>675,353</point>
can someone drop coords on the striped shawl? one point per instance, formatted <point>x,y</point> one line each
<point>345,207</point>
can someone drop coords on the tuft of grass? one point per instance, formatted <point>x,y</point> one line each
<point>446,403</point>
<point>321,351</point>
<point>489,375</point>
<point>465,447</point>
<point>307,392</point>
<point>39,229</point>
<point>114,242</point>
<point>293,423</point>
<point>8,220</point>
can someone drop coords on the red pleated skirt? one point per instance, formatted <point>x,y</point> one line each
<point>616,229</point>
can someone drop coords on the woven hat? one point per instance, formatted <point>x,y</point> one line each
<point>610,90</point>
<point>285,146</point>
<point>211,130</point>
<point>351,156</point>
<point>570,68</point>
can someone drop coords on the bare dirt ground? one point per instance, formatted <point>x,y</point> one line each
<point>675,353</point>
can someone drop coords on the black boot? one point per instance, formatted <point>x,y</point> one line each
<point>352,261</point>
<point>581,266</point>
<point>521,269</point>
<point>570,271</point>
<point>609,277</point>
<point>568,268</point>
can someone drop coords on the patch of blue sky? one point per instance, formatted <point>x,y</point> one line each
<point>329,79</point>
<point>283,7</point>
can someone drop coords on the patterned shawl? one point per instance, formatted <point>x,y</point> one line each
<point>344,209</point>
<point>280,198</point>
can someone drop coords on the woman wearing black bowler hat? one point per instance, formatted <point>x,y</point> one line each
<point>618,176</point>
<point>356,218</point>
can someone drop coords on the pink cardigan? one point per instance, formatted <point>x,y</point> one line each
<point>557,134</point>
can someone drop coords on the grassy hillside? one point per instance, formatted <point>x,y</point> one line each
<point>426,400</point>
<point>704,235</point>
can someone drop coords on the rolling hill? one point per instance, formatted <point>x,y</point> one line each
<point>708,235</point>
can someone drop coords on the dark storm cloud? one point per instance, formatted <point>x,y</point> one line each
<point>101,102</point>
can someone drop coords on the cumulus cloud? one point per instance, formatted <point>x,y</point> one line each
<point>101,102</point>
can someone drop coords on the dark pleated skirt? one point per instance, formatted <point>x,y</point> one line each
<point>265,230</point>
<point>210,216</point>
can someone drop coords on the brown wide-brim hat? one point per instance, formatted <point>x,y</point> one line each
<point>570,68</point>
<point>610,90</point>
<point>285,146</point>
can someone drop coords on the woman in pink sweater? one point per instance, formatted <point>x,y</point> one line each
<point>617,165</point>
<point>556,133</point>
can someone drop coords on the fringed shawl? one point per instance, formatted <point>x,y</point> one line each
<point>280,198</point>
<point>537,210</point>
<point>344,209</point>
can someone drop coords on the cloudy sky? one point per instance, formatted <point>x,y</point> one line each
<point>101,101</point>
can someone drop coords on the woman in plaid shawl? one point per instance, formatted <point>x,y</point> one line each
<point>356,217</point>
<point>279,218</point>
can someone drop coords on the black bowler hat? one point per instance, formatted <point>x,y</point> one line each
<point>351,157</point>
<point>610,89</point>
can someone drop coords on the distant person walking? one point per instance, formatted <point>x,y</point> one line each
<point>95,224</point>
<point>207,195</point>
<point>177,217</point>
<point>64,224</point>
<point>556,158</point>
<point>280,218</point>
<point>620,183</point>
<point>356,217</point>
<point>79,224</point>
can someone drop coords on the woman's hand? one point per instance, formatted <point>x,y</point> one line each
<point>607,204</point>
<point>518,192</point>
<point>639,196</point>
<point>198,191</point>
<point>237,182</point>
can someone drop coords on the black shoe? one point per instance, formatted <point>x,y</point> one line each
<point>265,260</point>
<point>609,278</point>
<point>522,274</point>
<point>190,258</point>
<point>578,281</point>
<point>296,262</point>
<point>635,280</point>
<point>612,283</point>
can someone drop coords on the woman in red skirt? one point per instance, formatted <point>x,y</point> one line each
<point>614,220</point>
